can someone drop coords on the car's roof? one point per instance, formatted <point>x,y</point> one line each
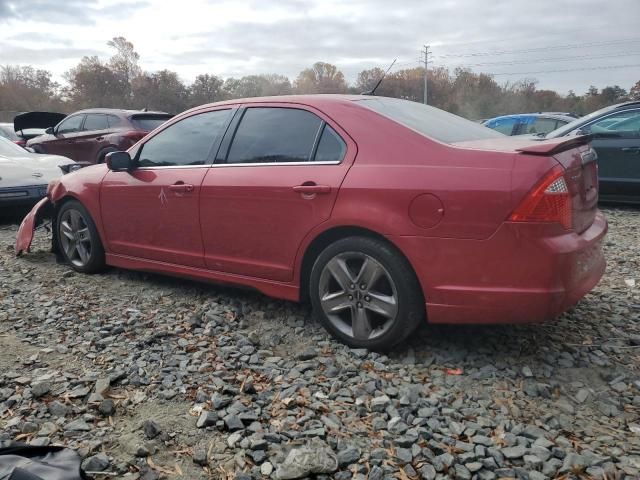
<point>552,115</point>
<point>312,100</point>
<point>120,111</point>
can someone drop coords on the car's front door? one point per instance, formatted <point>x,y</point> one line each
<point>62,142</point>
<point>617,143</point>
<point>276,177</point>
<point>152,212</point>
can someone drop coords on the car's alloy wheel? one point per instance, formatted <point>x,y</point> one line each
<point>358,295</point>
<point>365,293</point>
<point>78,238</point>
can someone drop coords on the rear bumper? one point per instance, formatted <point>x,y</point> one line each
<point>524,273</point>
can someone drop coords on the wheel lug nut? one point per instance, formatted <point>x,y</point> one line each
<point>359,305</point>
<point>352,286</point>
<point>350,297</point>
<point>363,286</point>
<point>366,299</point>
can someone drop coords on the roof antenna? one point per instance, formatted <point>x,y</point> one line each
<point>373,92</point>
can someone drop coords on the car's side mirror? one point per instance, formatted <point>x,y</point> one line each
<point>119,161</point>
<point>583,131</point>
<point>49,131</point>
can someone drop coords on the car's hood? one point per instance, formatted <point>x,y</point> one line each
<point>36,120</point>
<point>30,169</point>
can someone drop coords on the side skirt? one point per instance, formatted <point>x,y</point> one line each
<point>284,291</point>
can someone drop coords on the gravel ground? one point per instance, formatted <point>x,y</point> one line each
<point>152,377</point>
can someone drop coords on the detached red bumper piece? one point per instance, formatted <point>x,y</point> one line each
<point>25,232</point>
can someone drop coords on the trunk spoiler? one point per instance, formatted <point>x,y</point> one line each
<point>556,145</point>
<point>36,120</point>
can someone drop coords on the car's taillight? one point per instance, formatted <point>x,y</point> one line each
<point>135,135</point>
<point>22,143</point>
<point>549,202</point>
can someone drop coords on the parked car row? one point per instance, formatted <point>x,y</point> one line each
<point>615,134</point>
<point>85,136</point>
<point>382,212</point>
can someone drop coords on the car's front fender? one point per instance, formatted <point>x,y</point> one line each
<point>27,227</point>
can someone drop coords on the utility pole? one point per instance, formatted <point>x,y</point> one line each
<point>426,66</point>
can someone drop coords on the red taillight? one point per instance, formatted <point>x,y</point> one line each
<point>22,143</point>
<point>548,202</point>
<point>135,135</point>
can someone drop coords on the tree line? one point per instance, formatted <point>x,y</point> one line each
<point>120,82</point>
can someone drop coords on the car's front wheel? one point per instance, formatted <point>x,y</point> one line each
<point>365,293</point>
<point>78,238</point>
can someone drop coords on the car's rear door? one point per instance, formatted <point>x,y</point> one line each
<point>276,177</point>
<point>91,139</point>
<point>153,211</point>
<point>618,146</point>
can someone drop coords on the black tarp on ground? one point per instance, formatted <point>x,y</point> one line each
<point>19,461</point>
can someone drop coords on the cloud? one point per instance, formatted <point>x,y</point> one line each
<point>235,38</point>
<point>65,12</point>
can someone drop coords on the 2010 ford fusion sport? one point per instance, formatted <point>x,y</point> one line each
<point>384,213</point>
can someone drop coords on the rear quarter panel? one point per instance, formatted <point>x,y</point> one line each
<point>395,165</point>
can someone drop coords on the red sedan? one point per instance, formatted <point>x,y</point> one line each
<point>383,213</point>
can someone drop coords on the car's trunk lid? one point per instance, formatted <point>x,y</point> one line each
<point>37,120</point>
<point>574,154</point>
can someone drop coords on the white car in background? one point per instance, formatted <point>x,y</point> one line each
<point>24,176</point>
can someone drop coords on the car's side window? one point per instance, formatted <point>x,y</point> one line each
<point>71,124</point>
<point>114,121</point>
<point>187,142</point>
<point>274,135</point>
<point>331,147</point>
<point>95,121</point>
<point>622,124</point>
<point>541,125</point>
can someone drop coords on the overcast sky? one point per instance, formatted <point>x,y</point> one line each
<point>235,38</point>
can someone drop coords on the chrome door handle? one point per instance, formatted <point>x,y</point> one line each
<point>631,150</point>
<point>181,188</point>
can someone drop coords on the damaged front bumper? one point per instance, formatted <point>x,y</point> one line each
<point>28,225</point>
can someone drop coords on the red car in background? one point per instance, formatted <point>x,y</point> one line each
<point>382,212</point>
<point>88,135</point>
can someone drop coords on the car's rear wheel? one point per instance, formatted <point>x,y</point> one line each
<point>365,293</point>
<point>78,238</point>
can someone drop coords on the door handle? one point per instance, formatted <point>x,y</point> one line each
<point>99,139</point>
<point>631,149</point>
<point>309,188</point>
<point>181,188</point>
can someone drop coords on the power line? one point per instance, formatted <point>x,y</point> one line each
<point>554,59</point>
<point>608,67</point>
<point>540,49</point>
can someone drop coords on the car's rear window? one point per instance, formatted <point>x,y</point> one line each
<point>149,122</point>
<point>429,121</point>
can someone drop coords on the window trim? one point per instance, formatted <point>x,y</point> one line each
<point>214,147</point>
<point>221,159</point>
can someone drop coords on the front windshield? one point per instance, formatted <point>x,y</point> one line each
<point>10,149</point>
<point>569,127</point>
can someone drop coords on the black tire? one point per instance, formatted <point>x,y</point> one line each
<point>103,153</point>
<point>396,282</point>
<point>73,240</point>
